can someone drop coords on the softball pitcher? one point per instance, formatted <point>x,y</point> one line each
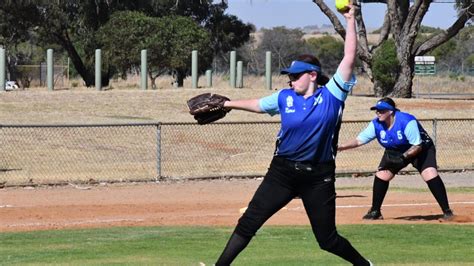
<point>303,164</point>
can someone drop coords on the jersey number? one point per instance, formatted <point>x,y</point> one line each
<point>399,134</point>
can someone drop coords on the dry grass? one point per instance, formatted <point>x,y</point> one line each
<point>371,38</point>
<point>125,102</point>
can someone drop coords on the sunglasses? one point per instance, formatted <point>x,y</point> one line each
<point>296,76</point>
<point>381,111</point>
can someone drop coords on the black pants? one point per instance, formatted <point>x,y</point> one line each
<point>314,184</point>
<point>284,181</point>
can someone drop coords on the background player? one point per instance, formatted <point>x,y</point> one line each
<point>405,141</point>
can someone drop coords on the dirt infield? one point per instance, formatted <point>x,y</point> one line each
<point>214,202</point>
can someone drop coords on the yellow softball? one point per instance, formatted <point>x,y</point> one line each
<point>341,5</point>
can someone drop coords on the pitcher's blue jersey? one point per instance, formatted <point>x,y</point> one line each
<point>405,132</point>
<point>309,127</point>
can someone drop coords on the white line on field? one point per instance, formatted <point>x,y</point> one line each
<point>403,204</point>
<point>299,208</point>
<point>96,221</point>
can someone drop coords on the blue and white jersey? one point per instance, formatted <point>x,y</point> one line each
<point>309,127</point>
<point>405,132</point>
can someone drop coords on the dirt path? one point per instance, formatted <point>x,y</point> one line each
<point>215,202</point>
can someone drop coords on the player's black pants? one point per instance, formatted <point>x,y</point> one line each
<point>314,184</point>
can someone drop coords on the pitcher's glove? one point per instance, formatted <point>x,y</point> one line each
<point>395,160</point>
<point>207,107</point>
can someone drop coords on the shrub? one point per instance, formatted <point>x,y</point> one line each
<point>386,65</point>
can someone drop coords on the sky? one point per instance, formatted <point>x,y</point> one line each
<point>300,13</point>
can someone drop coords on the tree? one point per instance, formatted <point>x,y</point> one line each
<point>470,63</point>
<point>169,42</point>
<point>251,57</point>
<point>453,53</point>
<point>74,24</point>
<point>123,37</point>
<point>329,51</point>
<point>70,24</point>
<point>12,34</point>
<point>285,45</point>
<point>402,21</point>
<point>445,53</point>
<point>467,47</point>
<point>182,35</point>
<point>385,66</point>
<point>227,33</point>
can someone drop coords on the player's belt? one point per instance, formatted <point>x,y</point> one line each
<point>305,166</point>
<point>302,166</point>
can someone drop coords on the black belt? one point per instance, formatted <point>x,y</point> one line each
<point>300,166</point>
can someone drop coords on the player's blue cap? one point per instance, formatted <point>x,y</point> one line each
<point>300,67</point>
<point>381,105</point>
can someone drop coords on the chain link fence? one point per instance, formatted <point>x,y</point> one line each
<point>36,75</point>
<point>55,154</point>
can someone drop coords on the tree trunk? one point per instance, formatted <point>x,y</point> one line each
<point>154,74</point>
<point>105,78</point>
<point>378,89</point>
<point>76,60</point>
<point>180,75</point>
<point>404,83</point>
<point>153,82</point>
<point>87,74</point>
<point>13,71</point>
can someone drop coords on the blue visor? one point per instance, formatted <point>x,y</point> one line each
<point>299,67</point>
<point>381,105</point>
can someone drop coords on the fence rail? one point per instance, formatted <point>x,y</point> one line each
<point>45,154</point>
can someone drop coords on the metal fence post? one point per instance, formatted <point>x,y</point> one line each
<point>233,59</point>
<point>143,71</point>
<point>209,78</point>
<point>194,69</point>
<point>98,69</point>
<point>268,70</point>
<point>50,69</point>
<point>2,69</point>
<point>435,130</point>
<point>240,77</point>
<point>158,151</point>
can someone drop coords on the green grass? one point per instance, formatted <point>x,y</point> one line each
<point>431,244</point>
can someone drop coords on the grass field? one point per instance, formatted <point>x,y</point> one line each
<point>273,245</point>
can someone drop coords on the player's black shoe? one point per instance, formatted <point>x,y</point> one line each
<point>373,215</point>
<point>448,214</point>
